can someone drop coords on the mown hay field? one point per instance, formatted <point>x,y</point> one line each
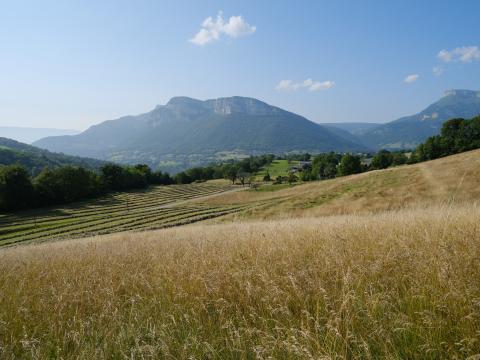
<point>156,207</point>
<point>398,284</point>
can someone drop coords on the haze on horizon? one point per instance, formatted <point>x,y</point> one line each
<point>72,65</point>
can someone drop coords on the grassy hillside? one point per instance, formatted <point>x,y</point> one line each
<point>454,178</point>
<point>401,284</point>
<point>451,178</point>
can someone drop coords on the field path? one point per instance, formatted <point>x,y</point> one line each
<point>437,186</point>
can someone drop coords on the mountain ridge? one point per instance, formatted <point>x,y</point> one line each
<point>187,132</point>
<point>29,134</point>
<point>35,159</point>
<point>409,131</point>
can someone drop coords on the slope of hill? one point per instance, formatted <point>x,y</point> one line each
<point>187,132</point>
<point>29,135</point>
<point>450,179</point>
<point>453,178</point>
<point>35,159</point>
<point>409,131</point>
<point>343,133</point>
<point>398,283</point>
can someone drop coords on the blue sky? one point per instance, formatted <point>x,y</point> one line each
<point>71,64</point>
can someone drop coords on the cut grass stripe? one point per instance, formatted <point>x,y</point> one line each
<point>136,210</point>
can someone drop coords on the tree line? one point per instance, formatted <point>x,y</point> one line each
<point>456,136</point>
<point>331,165</point>
<point>239,170</point>
<point>66,184</point>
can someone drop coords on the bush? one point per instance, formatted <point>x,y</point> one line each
<point>278,180</point>
<point>267,178</point>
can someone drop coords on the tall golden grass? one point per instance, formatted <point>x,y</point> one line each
<point>399,284</point>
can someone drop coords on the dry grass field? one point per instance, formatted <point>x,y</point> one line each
<point>392,272</point>
<point>401,284</point>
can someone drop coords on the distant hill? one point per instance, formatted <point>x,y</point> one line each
<point>354,128</point>
<point>342,131</point>
<point>409,131</point>
<point>29,135</point>
<point>187,132</point>
<point>35,159</point>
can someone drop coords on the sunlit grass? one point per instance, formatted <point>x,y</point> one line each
<point>400,284</point>
<point>276,168</point>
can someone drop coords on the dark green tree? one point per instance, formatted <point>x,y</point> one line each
<point>66,184</point>
<point>349,164</point>
<point>230,172</point>
<point>145,171</point>
<point>325,166</point>
<point>382,160</point>
<point>113,177</point>
<point>399,158</point>
<point>182,178</point>
<point>16,190</point>
<point>306,175</point>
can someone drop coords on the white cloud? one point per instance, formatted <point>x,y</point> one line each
<point>321,85</point>
<point>464,54</point>
<point>236,27</point>
<point>437,70</point>
<point>285,85</point>
<point>445,56</point>
<point>309,84</point>
<point>411,78</point>
<point>212,30</point>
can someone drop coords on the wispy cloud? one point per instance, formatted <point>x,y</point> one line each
<point>411,78</point>
<point>438,70</point>
<point>213,30</point>
<point>464,54</point>
<point>309,84</point>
